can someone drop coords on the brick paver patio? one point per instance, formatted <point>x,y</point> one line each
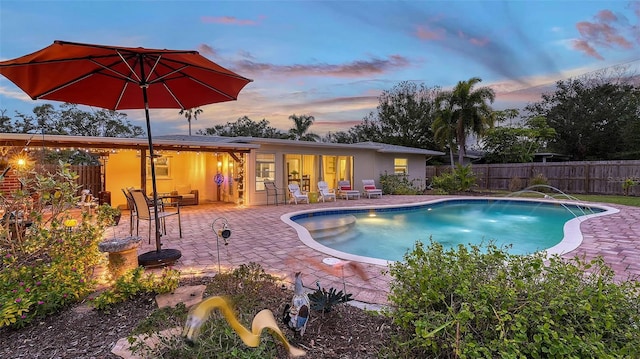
<point>258,235</point>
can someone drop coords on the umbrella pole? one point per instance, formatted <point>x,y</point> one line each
<point>153,173</point>
<point>159,257</point>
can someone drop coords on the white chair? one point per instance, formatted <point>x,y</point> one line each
<point>370,188</point>
<point>346,191</point>
<point>325,192</point>
<point>296,194</point>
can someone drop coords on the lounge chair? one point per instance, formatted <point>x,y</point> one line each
<point>296,195</point>
<point>325,192</point>
<point>346,191</point>
<point>370,188</point>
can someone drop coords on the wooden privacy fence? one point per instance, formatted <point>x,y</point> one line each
<point>89,177</point>
<point>588,177</point>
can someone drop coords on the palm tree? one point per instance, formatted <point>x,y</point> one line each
<point>444,126</point>
<point>189,113</point>
<point>301,126</point>
<point>470,111</point>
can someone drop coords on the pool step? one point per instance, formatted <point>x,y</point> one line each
<point>338,237</point>
<point>329,226</point>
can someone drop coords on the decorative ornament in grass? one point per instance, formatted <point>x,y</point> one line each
<point>263,320</point>
<point>296,314</point>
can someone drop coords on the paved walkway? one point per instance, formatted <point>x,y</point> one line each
<point>258,235</point>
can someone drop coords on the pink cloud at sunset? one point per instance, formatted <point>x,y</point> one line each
<point>607,30</point>
<point>230,20</point>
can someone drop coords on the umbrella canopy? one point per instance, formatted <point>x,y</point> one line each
<point>122,78</point>
<point>114,78</point>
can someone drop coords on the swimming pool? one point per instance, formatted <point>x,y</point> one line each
<point>383,234</point>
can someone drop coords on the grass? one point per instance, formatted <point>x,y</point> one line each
<point>623,200</point>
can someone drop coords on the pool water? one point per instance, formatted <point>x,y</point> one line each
<point>526,227</point>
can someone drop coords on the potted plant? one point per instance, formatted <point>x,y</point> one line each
<point>108,215</point>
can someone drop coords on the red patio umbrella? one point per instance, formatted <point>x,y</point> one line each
<point>121,78</point>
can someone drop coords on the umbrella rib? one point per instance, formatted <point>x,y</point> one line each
<point>46,93</point>
<point>153,69</point>
<point>172,95</point>
<point>130,68</point>
<point>212,88</point>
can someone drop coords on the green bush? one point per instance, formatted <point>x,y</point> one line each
<point>136,282</point>
<point>474,302</point>
<point>400,184</point>
<point>46,257</point>
<point>460,179</point>
<point>539,180</point>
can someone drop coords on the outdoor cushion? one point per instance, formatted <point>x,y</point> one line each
<point>183,189</point>
<point>369,187</point>
<point>345,188</point>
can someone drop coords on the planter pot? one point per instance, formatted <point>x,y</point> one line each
<point>123,254</point>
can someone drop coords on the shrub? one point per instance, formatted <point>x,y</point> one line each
<point>627,184</point>
<point>460,179</point>
<point>136,282</point>
<point>538,180</point>
<point>515,184</point>
<point>400,184</point>
<point>473,303</point>
<point>323,301</point>
<point>46,257</point>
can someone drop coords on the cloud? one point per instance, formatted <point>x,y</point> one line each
<point>207,50</point>
<point>231,20</point>
<point>424,33</point>
<point>607,30</point>
<point>357,68</point>
<point>497,49</point>
<point>583,45</point>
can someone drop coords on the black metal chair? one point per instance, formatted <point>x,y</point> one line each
<point>273,191</point>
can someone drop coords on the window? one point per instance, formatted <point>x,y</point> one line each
<point>265,169</point>
<point>400,166</point>
<point>163,170</point>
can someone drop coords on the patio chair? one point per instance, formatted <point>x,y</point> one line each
<point>296,195</point>
<point>132,210</point>
<point>325,192</point>
<point>272,191</point>
<point>345,191</point>
<point>145,213</point>
<point>370,188</point>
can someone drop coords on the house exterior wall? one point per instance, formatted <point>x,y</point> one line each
<point>366,163</point>
<point>380,163</point>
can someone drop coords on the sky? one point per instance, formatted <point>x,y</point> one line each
<point>333,59</point>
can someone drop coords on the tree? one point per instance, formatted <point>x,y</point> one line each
<point>403,117</point>
<point>191,113</point>
<point>470,110</point>
<point>596,117</point>
<point>517,144</point>
<point>301,125</point>
<point>444,127</point>
<point>70,120</point>
<point>244,126</point>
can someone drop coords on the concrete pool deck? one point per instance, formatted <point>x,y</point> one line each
<point>260,236</point>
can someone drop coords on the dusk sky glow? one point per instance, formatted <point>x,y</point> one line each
<point>332,59</point>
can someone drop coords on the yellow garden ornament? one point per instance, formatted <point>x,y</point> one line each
<point>263,320</point>
<point>70,222</point>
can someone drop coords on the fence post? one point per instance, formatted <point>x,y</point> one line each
<point>587,179</point>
